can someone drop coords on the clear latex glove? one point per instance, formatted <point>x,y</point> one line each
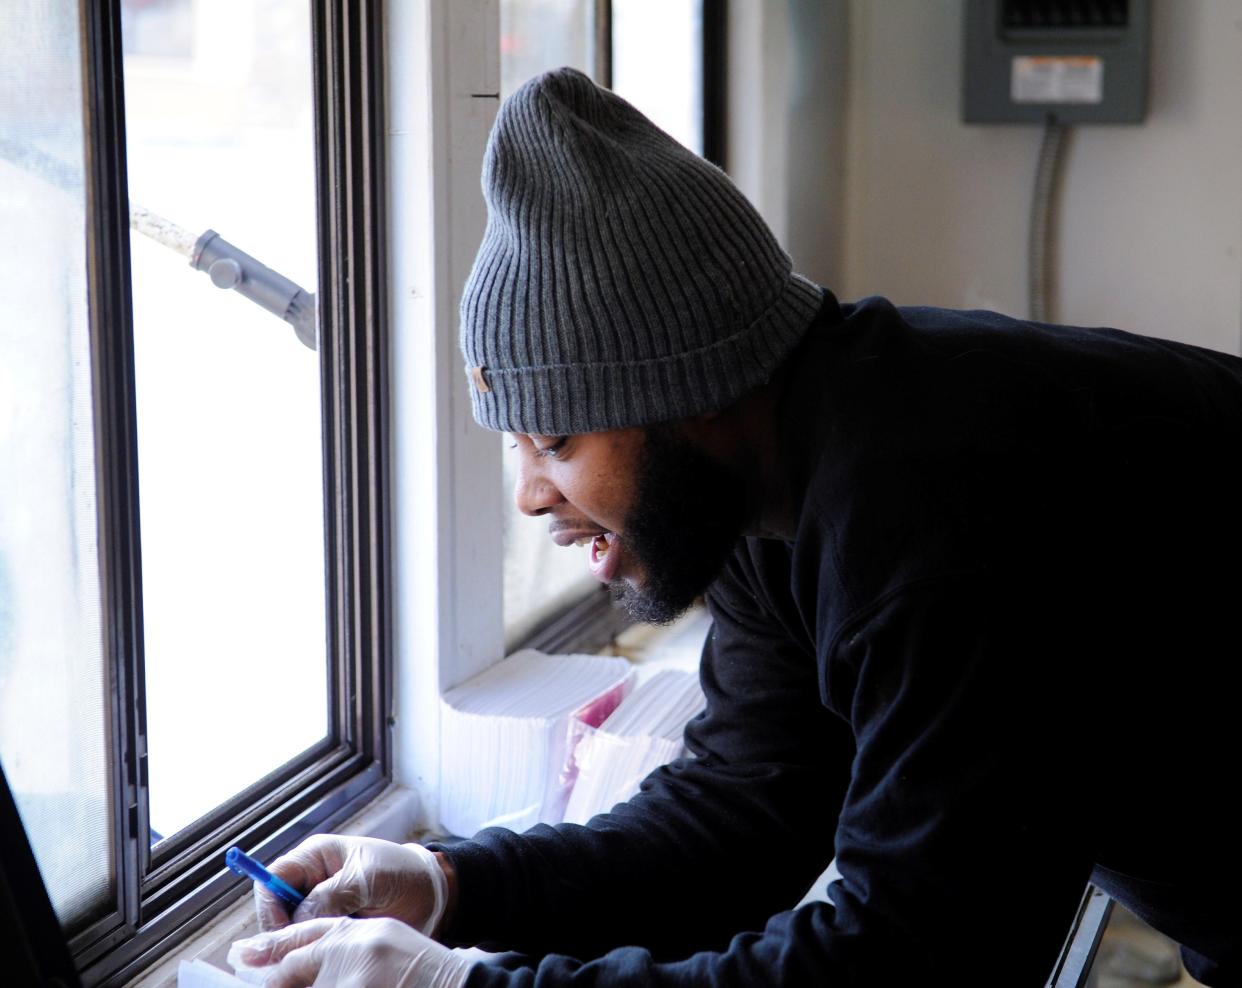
<point>362,876</point>
<point>350,953</point>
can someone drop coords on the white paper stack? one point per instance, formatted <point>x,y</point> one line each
<point>200,974</point>
<point>507,737</point>
<point>642,734</point>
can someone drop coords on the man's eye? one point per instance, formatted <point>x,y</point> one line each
<point>553,450</point>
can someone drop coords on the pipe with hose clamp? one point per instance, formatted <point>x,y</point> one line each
<point>230,267</point>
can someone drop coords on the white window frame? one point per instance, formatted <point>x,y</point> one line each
<point>448,601</point>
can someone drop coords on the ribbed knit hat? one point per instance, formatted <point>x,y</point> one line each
<point>622,280</point>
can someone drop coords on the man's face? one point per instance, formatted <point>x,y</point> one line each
<point>659,515</point>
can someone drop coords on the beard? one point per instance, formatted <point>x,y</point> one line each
<point>688,512</point>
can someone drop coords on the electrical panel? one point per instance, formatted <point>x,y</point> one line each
<point>1080,61</point>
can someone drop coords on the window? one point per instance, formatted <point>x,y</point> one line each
<point>665,58</point>
<point>660,60</point>
<point>53,724</point>
<point>219,120</point>
<point>194,592</point>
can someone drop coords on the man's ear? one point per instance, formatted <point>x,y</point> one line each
<point>700,424</point>
<point>710,429</point>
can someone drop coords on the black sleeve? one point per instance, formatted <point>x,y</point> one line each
<point>713,844</point>
<point>960,841</point>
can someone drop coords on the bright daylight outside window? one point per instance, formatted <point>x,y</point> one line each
<point>219,117</point>
<point>170,550</point>
<point>53,731</point>
<point>657,63</point>
<point>657,66</point>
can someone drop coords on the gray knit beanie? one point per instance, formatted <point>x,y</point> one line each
<point>622,280</point>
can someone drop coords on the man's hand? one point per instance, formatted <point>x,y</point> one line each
<point>350,953</point>
<point>362,876</point>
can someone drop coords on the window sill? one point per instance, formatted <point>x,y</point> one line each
<point>390,816</point>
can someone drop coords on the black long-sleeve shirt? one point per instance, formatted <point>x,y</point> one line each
<point>997,653</point>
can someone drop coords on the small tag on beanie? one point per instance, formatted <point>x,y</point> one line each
<point>478,377</point>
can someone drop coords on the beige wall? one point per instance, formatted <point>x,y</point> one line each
<point>911,203</point>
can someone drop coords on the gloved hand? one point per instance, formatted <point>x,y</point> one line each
<point>350,953</point>
<point>361,876</point>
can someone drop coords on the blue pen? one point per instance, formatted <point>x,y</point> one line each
<point>244,864</point>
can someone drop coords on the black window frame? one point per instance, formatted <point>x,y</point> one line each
<point>715,81</point>
<point>164,894</point>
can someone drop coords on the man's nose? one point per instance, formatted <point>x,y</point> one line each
<point>533,493</point>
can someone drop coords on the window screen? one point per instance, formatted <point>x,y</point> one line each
<point>53,735</point>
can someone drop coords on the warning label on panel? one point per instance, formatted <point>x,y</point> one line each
<point>1057,79</point>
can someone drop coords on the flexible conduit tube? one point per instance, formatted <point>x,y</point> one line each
<point>1039,251</point>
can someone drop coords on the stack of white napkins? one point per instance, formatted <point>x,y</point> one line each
<point>199,974</point>
<point>642,734</point>
<point>508,736</point>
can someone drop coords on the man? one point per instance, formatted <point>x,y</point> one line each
<point>973,580</point>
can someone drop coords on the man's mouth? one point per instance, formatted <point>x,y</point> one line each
<point>605,557</point>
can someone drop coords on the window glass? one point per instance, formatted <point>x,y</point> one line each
<point>657,63</point>
<point>539,35</point>
<point>53,726</point>
<point>657,56</point>
<point>540,576</point>
<point>219,114</point>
